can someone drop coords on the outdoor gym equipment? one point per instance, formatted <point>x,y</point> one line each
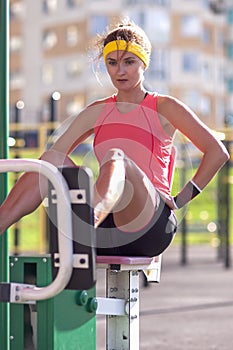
<point>52,298</point>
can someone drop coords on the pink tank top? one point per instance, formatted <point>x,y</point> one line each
<point>140,135</point>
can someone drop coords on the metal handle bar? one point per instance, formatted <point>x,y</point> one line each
<point>64,221</point>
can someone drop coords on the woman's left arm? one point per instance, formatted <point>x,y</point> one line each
<point>187,122</point>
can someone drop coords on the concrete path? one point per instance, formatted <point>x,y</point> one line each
<point>190,309</point>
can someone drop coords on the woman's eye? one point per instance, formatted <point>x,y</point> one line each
<point>129,62</point>
<point>112,63</point>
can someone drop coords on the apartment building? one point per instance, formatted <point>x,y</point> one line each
<point>51,50</point>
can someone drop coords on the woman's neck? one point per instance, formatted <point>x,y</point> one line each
<point>135,97</point>
<point>126,103</point>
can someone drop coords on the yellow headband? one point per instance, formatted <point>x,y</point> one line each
<point>130,47</point>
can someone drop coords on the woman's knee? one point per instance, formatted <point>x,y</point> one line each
<point>113,154</point>
<point>57,158</point>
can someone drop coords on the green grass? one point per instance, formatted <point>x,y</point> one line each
<point>201,214</point>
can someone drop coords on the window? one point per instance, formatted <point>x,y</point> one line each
<point>147,2</point>
<point>72,36</point>
<point>148,19</point>
<point>155,22</point>
<point>158,66</point>
<point>230,50</point>
<point>139,17</point>
<point>16,43</point>
<point>47,74</point>
<point>206,71</point>
<point>97,24</point>
<point>49,39</point>
<point>192,99</point>
<point>74,3</point>
<point>74,106</point>
<point>220,108</point>
<point>162,20</point>
<point>220,40</point>
<point>16,10</point>
<point>16,79</point>
<point>49,6</point>
<point>141,20</point>
<point>206,4</point>
<point>206,36</point>
<point>190,62</point>
<point>205,105</point>
<point>230,84</point>
<point>230,15</point>
<point>190,26</point>
<point>221,73</point>
<point>74,69</point>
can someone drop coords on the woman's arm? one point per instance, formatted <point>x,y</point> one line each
<point>186,121</point>
<point>31,188</point>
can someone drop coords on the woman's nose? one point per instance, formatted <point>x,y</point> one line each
<point>121,68</point>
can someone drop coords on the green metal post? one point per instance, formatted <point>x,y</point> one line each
<point>4,116</point>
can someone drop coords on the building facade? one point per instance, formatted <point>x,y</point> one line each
<point>51,45</point>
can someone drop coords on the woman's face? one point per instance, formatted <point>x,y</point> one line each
<point>125,69</point>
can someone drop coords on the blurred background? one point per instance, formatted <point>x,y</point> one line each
<point>53,76</point>
<point>51,50</point>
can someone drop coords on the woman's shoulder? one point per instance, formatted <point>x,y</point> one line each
<point>102,101</point>
<point>165,99</point>
<point>158,100</point>
<point>168,101</point>
<point>95,109</point>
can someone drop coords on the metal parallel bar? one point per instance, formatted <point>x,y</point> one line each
<point>64,226</point>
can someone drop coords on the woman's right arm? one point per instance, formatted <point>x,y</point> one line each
<point>31,188</point>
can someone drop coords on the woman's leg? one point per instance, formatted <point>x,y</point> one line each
<point>152,240</point>
<point>28,192</point>
<point>126,191</point>
<point>110,184</point>
<point>139,202</point>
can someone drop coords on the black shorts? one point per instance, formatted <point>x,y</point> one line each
<point>151,241</point>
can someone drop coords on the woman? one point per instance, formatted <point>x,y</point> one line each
<point>133,135</point>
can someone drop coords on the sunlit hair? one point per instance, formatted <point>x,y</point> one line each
<point>125,30</point>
